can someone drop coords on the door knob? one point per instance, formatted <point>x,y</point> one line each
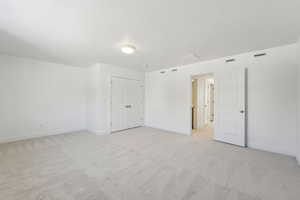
<point>242,111</point>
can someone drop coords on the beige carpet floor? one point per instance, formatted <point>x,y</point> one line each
<point>142,164</point>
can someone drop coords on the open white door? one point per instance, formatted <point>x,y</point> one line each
<point>230,106</point>
<point>201,109</point>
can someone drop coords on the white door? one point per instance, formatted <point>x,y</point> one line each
<point>211,102</point>
<point>230,106</point>
<point>117,104</point>
<point>201,103</point>
<point>126,104</point>
<point>132,101</point>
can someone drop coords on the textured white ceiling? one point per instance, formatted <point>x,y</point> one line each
<point>166,33</point>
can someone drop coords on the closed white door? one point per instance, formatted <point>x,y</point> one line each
<point>117,105</point>
<point>132,99</point>
<point>126,104</point>
<point>230,106</point>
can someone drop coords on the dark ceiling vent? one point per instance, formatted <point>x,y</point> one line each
<point>230,60</point>
<point>162,72</point>
<point>174,70</point>
<point>259,54</point>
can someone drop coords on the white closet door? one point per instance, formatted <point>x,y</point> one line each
<point>133,103</point>
<point>126,104</point>
<point>230,106</point>
<point>117,104</point>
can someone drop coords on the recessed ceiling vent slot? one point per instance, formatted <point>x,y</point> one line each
<point>259,54</point>
<point>162,72</point>
<point>230,60</point>
<point>174,70</point>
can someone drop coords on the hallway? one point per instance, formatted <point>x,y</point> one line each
<point>206,132</point>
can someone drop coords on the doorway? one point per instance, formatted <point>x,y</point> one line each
<point>203,107</point>
<point>218,105</point>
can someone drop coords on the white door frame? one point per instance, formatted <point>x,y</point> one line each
<point>215,90</point>
<point>191,93</point>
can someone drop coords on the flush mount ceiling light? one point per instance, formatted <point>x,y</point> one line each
<point>128,49</point>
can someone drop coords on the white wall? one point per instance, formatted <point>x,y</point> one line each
<point>99,97</point>
<point>272,100</point>
<point>40,98</point>
<point>94,99</point>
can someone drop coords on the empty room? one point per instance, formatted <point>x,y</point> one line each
<point>149,100</point>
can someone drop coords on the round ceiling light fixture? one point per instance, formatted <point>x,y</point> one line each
<point>128,49</point>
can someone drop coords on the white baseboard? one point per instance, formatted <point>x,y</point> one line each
<point>171,131</point>
<point>99,132</point>
<point>38,135</point>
